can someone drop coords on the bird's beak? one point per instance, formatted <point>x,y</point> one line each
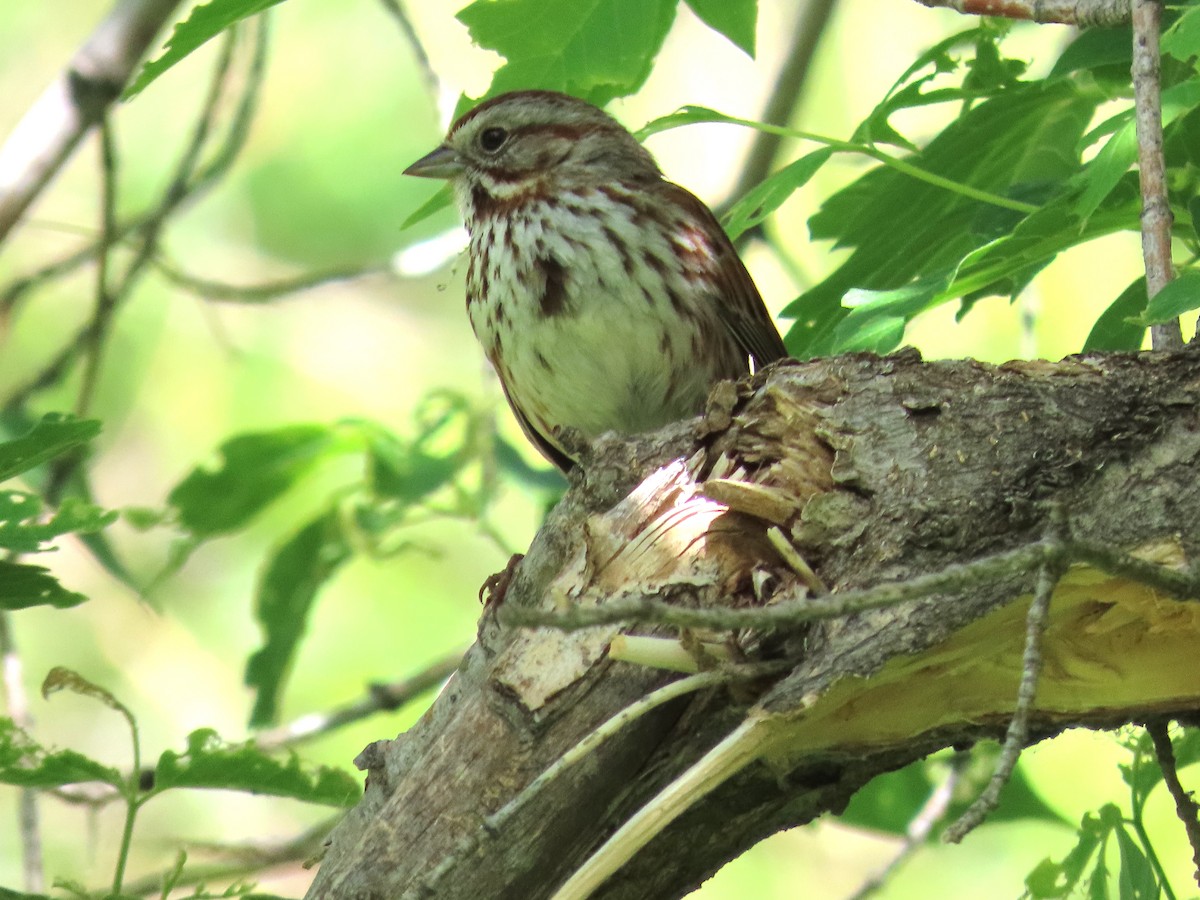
<point>441,163</point>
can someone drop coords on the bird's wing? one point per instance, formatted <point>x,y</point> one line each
<point>741,308</point>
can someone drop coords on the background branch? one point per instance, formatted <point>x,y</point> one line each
<point>75,102</point>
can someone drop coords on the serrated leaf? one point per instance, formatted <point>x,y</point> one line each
<point>254,470</point>
<point>767,196</point>
<point>205,22</point>
<point>593,49</point>
<point>23,586</point>
<point>54,435</point>
<point>21,531</point>
<point>25,763</point>
<point>283,604</point>
<point>736,19</point>
<point>1119,326</point>
<point>903,229</point>
<point>210,763</point>
<point>1100,176</point>
<point>1182,39</point>
<point>1178,297</point>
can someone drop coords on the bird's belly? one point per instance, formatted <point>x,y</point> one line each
<point>608,367</point>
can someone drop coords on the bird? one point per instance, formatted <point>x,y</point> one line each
<point>606,297</point>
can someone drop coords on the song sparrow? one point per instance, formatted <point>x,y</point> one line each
<point>606,297</point>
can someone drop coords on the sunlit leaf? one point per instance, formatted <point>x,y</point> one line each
<point>1100,176</point>
<point>205,22</point>
<point>594,49</point>
<point>442,198</point>
<point>902,229</point>
<point>769,195</point>
<point>1182,39</point>
<point>286,594</point>
<point>54,435</point>
<point>21,531</point>
<point>254,470</point>
<point>736,19</point>
<point>23,585</point>
<point>210,763</point>
<point>26,763</point>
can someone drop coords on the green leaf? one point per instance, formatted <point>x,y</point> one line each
<point>254,471</point>
<point>20,530</point>
<point>205,22</point>
<point>25,763</point>
<point>1051,879</point>
<point>736,19</point>
<point>6,894</point>
<point>23,586</point>
<point>1178,297</point>
<point>1097,48</point>
<point>443,197</point>
<point>1119,327</point>
<point>767,196</point>
<point>1135,880</point>
<point>54,435</point>
<point>593,49</point>
<point>904,230</point>
<point>210,763</point>
<point>1100,176</point>
<point>411,471</point>
<point>285,598</point>
<point>1182,39</point>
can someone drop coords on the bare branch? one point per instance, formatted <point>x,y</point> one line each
<point>1185,807</point>
<point>1156,209</point>
<point>1084,13</point>
<point>1017,735</point>
<point>16,701</point>
<point>380,698</point>
<point>76,101</point>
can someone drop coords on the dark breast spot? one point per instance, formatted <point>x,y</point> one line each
<point>554,294</point>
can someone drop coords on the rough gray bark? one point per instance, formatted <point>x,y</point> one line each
<point>878,470</point>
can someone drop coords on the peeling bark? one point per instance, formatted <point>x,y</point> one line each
<point>876,470</point>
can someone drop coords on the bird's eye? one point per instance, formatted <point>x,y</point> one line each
<point>492,139</point>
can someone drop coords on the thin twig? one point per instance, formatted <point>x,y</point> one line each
<point>928,816</point>
<point>1084,13</point>
<point>1157,218</point>
<point>1017,735</point>
<point>191,179</point>
<point>16,701</point>
<point>245,860</point>
<point>265,292</point>
<point>785,96</point>
<point>428,73</point>
<point>379,698</point>
<point>954,578</point>
<point>76,101</point>
<point>1185,807</point>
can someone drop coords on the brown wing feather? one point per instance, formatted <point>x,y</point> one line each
<point>548,449</point>
<point>742,309</point>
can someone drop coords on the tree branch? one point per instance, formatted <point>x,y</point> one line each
<point>74,103</point>
<point>1084,13</point>
<point>877,471</point>
<point>1157,218</point>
